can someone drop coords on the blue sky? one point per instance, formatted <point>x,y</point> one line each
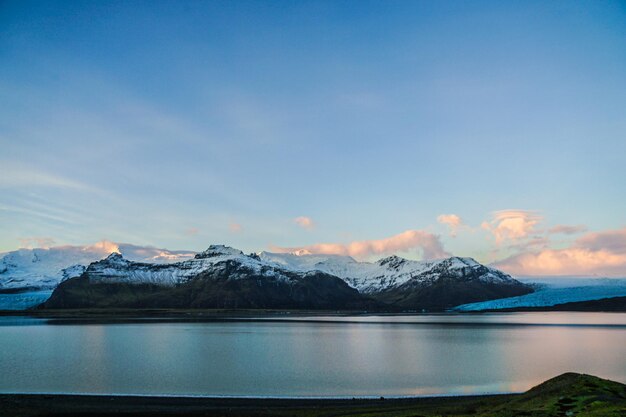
<point>180,124</point>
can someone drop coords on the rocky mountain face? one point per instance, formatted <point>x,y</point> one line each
<point>220,277</point>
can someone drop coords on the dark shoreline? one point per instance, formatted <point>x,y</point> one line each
<point>566,394</point>
<point>603,305</point>
<point>27,405</point>
<point>186,314</point>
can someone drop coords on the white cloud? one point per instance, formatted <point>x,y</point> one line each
<point>510,226</point>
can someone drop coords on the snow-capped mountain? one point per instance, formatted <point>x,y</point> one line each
<point>116,269</point>
<point>415,285</point>
<point>386,273</point>
<point>224,277</point>
<point>393,281</point>
<point>45,268</point>
<point>219,277</point>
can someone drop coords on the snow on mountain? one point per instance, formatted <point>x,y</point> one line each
<point>40,268</point>
<point>386,273</point>
<point>44,268</point>
<point>116,269</point>
<point>219,277</point>
<point>550,292</point>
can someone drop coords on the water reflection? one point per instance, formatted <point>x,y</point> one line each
<point>318,356</point>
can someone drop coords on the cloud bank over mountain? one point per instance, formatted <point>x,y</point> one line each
<point>427,243</point>
<point>596,253</point>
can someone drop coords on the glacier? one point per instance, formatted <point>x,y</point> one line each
<point>23,300</point>
<point>550,292</point>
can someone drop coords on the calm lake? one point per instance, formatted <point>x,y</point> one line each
<point>312,356</point>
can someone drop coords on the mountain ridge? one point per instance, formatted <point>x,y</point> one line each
<point>267,280</point>
<point>219,277</point>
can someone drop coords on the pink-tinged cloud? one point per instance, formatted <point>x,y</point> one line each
<point>235,227</point>
<point>610,240</point>
<point>512,225</point>
<point>428,243</point>
<point>567,230</point>
<point>453,222</point>
<point>597,253</point>
<point>533,243</point>
<point>192,231</point>
<point>104,247</point>
<point>305,222</point>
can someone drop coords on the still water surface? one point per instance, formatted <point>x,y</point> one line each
<point>314,356</point>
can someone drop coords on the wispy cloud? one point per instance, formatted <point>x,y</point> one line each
<point>235,227</point>
<point>596,253</point>
<point>305,222</point>
<point>567,230</point>
<point>37,213</point>
<point>19,175</point>
<point>192,231</point>
<point>453,222</point>
<point>428,243</point>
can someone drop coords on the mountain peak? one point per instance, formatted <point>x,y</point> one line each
<point>114,256</point>
<point>392,261</point>
<point>459,262</point>
<point>218,250</point>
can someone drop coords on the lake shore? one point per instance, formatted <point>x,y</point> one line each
<point>564,395</point>
<point>27,405</point>
<point>183,314</point>
<point>610,305</point>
